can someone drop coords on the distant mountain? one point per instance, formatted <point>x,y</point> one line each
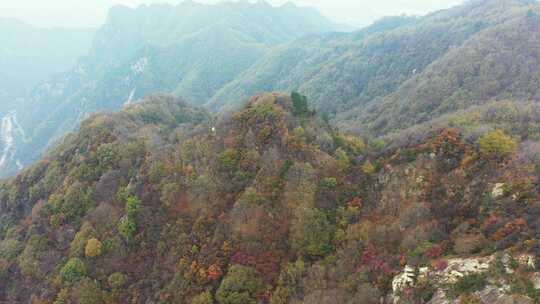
<point>191,50</point>
<point>331,69</point>
<point>498,63</point>
<point>29,55</point>
<point>396,73</point>
<point>352,76</point>
<point>164,202</point>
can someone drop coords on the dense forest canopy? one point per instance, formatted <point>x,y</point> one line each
<point>162,203</point>
<point>399,164</point>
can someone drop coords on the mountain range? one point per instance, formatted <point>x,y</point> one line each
<point>189,49</point>
<point>359,79</point>
<point>356,74</point>
<point>399,164</point>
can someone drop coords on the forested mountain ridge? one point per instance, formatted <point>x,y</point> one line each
<point>218,55</point>
<point>161,203</point>
<point>433,199</point>
<point>499,63</point>
<point>346,75</point>
<point>189,49</point>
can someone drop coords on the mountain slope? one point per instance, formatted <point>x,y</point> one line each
<point>189,49</point>
<point>341,72</point>
<point>364,80</point>
<point>162,204</point>
<point>497,64</point>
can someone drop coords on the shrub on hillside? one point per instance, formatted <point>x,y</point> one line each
<point>468,284</point>
<point>127,228</point>
<point>128,224</point>
<point>78,245</point>
<point>62,297</point>
<point>30,260</point>
<point>300,104</point>
<point>497,144</point>
<point>73,271</point>
<point>203,298</point>
<point>368,168</point>
<point>93,248</point>
<point>117,280</point>
<point>241,286</point>
<point>312,233</point>
<point>329,182</point>
<point>228,159</point>
<point>87,291</point>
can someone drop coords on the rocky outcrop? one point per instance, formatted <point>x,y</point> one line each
<point>456,268</point>
<point>490,294</point>
<point>498,191</point>
<point>406,279</point>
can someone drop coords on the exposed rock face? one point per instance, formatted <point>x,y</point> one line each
<point>458,268</point>
<point>535,279</point>
<point>498,190</point>
<point>404,279</point>
<point>490,294</point>
<point>407,279</point>
<point>493,292</point>
<point>11,134</point>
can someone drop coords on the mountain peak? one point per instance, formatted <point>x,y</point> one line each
<point>263,3</point>
<point>289,5</point>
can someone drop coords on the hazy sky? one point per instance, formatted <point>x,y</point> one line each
<point>91,13</point>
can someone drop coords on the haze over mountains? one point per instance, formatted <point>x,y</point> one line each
<point>189,49</point>
<point>400,163</point>
<point>219,55</point>
<point>29,55</point>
